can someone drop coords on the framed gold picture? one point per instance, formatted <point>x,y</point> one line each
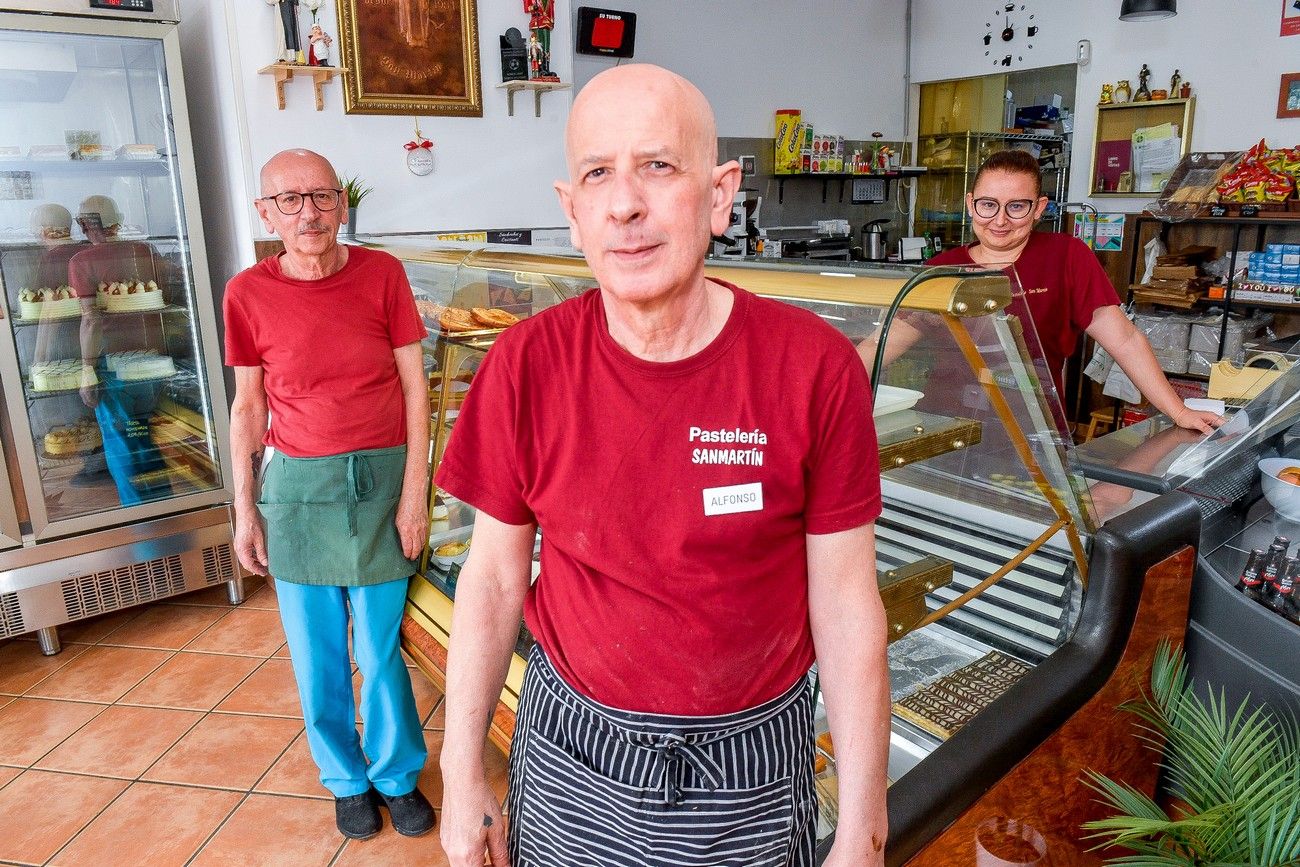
<point>416,57</point>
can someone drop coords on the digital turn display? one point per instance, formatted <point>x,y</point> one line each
<point>123,5</point>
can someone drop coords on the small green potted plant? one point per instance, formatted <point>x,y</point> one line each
<point>355,190</point>
<point>1233,777</point>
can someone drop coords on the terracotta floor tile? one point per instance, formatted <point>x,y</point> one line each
<point>31,727</point>
<point>40,811</point>
<point>7,774</point>
<point>427,696</point>
<point>270,690</point>
<point>194,681</point>
<point>430,780</point>
<point>101,674</point>
<point>169,627</point>
<point>150,824</point>
<point>227,751</point>
<point>22,665</point>
<point>120,742</point>
<point>391,849</point>
<point>294,773</point>
<point>263,598</point>
<point>217,595</point>
<point>283,652</point>
<point>243,631</point>
<point>300,831</point>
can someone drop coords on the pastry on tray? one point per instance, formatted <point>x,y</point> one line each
<point>493,317</point>
<point>456,319</point>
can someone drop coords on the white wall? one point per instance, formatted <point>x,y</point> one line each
<point>841,63</point>
<point>1236,90</point>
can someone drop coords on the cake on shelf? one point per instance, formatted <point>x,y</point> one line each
<point>66,440</point>
<point>129,296</point>
<point>61,375</point>
<point>139,364</point>
<point>138,152</point>
<point>91,152</point>
<point>51,153</point>
<point>47,303</point>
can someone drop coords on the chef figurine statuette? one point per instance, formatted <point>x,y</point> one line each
<point>318,52</point>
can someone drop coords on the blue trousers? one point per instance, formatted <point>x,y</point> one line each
<point>316,625</point>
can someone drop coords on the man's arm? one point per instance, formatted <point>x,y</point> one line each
<point>849,634</point>
<point>484,626</point>
<point>1130,349</point>
<point>413,507</point>
<point>247,430</point>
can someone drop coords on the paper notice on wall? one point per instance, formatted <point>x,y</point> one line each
<point>1102,232</point>
<point>1156,151</point>
<point>1290,18</point>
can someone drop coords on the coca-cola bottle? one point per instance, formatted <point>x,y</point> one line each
<point>1252,577</point>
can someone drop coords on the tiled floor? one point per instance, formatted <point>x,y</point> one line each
<point>171,734</point>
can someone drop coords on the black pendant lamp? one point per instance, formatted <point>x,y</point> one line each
<point>1147,10</point>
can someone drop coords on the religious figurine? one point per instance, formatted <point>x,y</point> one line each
<point>287,38</point>
<point>1123,91</point>
<point>1107,95</point>
<point>541,18</point>
<point>318,52</point>
<point>1143,92</point>
<point>1174,81</point>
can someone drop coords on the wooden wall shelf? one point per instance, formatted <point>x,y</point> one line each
<point>537,87</point>
<point>286,71</point>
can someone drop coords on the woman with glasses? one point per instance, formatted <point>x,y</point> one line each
<point>1065,287</point>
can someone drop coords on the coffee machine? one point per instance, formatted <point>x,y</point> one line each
<point>737,241</point>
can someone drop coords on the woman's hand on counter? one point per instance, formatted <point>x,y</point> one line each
<point>1197,420</point>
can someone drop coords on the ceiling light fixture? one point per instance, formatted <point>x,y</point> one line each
<point>1147,10</point>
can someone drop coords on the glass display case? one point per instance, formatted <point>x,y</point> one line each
<point>986,549</point>
<point>115,414</point>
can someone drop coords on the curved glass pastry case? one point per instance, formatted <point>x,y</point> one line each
<point>988,555</point>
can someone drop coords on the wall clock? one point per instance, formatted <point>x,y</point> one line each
<point>1009,33</point>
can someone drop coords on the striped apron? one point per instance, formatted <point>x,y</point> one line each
<point>592,786</point>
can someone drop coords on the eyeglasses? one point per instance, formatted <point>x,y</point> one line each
<point>291,203</point>
<point>1016,209</point>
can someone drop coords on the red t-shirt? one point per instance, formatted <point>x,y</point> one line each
<point>326,351</point>
<point>644,601</point>
<point>1064,286</point>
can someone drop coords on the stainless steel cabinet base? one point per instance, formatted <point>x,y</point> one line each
<point>61,582</point>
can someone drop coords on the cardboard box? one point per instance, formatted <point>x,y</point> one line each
<point>786,157</point>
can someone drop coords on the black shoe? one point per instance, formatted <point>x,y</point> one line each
<point>357,816</point>
<point>411,813</point>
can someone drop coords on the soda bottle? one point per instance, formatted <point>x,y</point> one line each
<point>1251,578</point>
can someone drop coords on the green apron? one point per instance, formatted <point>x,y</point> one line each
<point>330,521</point>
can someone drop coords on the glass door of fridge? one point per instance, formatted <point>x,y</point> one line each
<point>105,373</point>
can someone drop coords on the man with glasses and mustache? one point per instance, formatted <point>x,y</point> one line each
<point>327,338</point>
<point>1067,290</point>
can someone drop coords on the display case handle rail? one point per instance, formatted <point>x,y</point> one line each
<point>997,576</point>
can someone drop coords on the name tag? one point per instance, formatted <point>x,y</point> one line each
<point>733,499</point>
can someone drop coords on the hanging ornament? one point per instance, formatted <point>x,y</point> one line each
<point>419,153</point>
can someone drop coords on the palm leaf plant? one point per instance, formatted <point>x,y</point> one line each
<point>355,189</point>
<point>1235,778</point>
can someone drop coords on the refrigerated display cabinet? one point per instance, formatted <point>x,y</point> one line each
<point>1234,644</point>
<point>1016,624</point>
<point>114,425</point>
